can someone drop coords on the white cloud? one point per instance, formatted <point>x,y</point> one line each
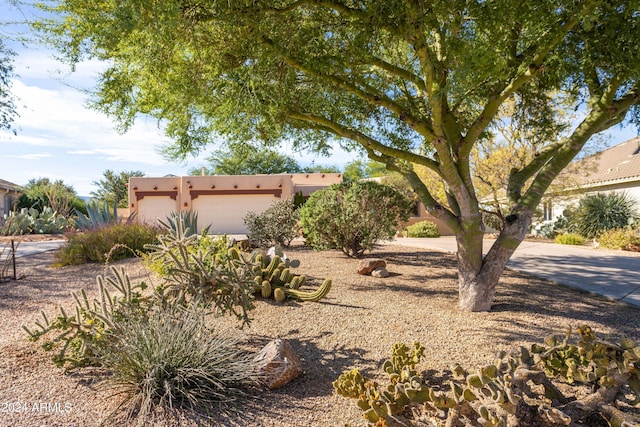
<point>34,156</point>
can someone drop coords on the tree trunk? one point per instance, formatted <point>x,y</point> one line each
<point>478,276</point>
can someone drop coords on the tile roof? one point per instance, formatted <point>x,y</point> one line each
<point>6,185</point>
<point>618,163</point>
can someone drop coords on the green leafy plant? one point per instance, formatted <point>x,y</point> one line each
<point>601,212</point>
<point>276,225</point>
<point>423,229</point>
<point>113,242</point>
<point>32,221</point>
<point>627,239</point>
<point>517,389</point>
<point>353,217</point>
<point>569,239</point>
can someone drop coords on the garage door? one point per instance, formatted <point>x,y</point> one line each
<point>226,213</point>
<point>150,208</point>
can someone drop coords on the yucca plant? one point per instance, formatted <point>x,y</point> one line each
<point>173,361</point>
<point>600,212</point>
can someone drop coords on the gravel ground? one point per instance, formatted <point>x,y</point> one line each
<point>355,326</point>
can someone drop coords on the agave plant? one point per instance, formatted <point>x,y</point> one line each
<point>99,216</point>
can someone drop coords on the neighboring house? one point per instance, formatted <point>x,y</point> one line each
<point>8,195</point>
<point>221,201</point>
<point>616,169</point>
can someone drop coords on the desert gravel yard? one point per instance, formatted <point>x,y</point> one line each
<point>355,326</point>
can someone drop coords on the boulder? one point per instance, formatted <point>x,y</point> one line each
<point>366,266</point>
<point>278,363</point>
<point>380,272</point>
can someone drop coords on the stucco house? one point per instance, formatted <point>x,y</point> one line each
<point>616,169</point>
<point>8,194</point>
<point>221,201</point>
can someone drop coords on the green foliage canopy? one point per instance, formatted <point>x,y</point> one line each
<point>112,189</point>
<point>42,192</point>
<point>7,100</point>
<point>411,83</point>
<point>244,159</point>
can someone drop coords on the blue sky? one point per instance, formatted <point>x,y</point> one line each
<point>59,138</point>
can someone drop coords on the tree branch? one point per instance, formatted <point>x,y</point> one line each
<point>377,99</point>
<point>366,141</point>
<point>520,79</point>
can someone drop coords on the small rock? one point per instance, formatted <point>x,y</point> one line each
<point>380,272</point>
<point>366,266</point>
<point>278,362</point>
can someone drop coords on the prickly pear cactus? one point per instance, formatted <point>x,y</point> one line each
<point>513,386</point>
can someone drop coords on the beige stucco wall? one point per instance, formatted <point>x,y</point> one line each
<point>221,201</point>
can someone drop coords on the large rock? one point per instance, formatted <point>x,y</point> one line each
<point>380,272</point>
<point>278,362</point>
<point>366,266</point>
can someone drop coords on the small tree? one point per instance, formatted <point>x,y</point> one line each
<point>277,225</point>
<point>113,188</point>
<point>353,217</point>
<point>244,159</point>
<point>42,192</point>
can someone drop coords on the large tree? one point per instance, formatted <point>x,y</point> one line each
<point>413,83</point>
<point>113,188</point>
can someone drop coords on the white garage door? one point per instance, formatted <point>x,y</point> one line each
<point>226,213</point>
<point>150,208</point>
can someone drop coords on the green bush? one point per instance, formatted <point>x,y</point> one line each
<point>32,221</point>
<point>620,238</point>
<point>569,239</point>
<point>423,229</point>
<point>276,225</point>
<point>601,212</point>
<point>353,217</point>
<point>108,243</point>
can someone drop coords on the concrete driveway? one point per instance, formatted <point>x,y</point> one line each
<point>32,248</point>
<point>612,274</point>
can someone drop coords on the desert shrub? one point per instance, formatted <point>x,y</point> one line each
<point>565,381</point>
<point>171,360</point>
<point>620,238</point>
<point>113,242</point>
<point>32,221</point>
<point>160,354</point>
<point>423,229</point>
<point>276,225</point>
<point>569,239</point>
<point>600,212</point>
<point>353,217</point>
